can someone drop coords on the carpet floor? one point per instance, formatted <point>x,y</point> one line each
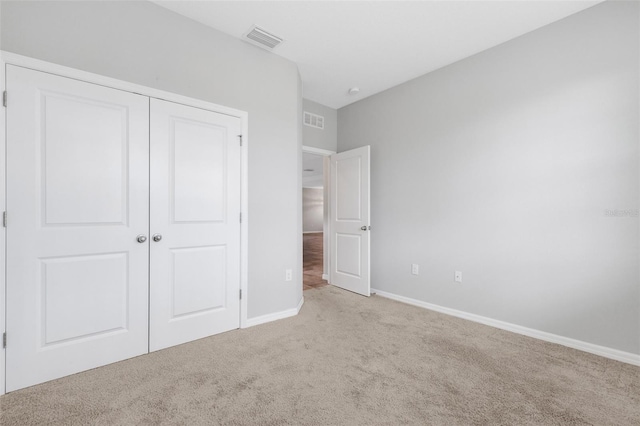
<point>345,360</point>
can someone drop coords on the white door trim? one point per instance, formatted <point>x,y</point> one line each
<point>63,71</point>
<point>326,209</point>
<point>3,292</point>
<point>318,151</point>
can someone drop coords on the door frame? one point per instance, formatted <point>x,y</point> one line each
<point>326,177</point>
<point>8,58</point>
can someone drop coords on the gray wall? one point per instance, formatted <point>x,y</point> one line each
<point>326,138</point>
<point>502,166</point>
<point>312,209</point>
<point>143,43</point>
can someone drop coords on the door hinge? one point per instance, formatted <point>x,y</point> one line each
<point>240,136</point>
<point>4,219</point>
<point>240,294</point>
<point>4,340</point>
<point>240,217</point>
<point>4,98</point>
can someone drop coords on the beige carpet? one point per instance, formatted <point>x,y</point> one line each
<point>345,360</point>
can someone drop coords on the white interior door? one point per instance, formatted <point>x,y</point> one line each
<point>195,205</point>
<point>77,197</point>
<point>349,216</point>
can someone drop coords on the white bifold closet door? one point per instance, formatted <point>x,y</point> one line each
<point>195,205</point>
<point>77,197</point>
<point>93,175</point>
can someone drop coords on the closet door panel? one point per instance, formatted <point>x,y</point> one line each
<point>195,208</point>
<point>77,198</point>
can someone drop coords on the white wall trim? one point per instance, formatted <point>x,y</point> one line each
<point>319,151</point>
<point>312,232</point>
<point>603,351</point>
<point>3,293</point>
<point>276,315</point>
<point>244,225</point>
<point>325,277</point>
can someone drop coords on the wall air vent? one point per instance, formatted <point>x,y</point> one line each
<point>262,38</point>
<point>313,120</point>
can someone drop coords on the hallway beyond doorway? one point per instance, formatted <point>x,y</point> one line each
<point>312,261</point>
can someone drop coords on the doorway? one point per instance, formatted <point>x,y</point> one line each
<point>315,210</point>
<point>340,198</point>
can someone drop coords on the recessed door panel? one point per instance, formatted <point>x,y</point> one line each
<point>199,170</point>
<point>83,162</point>
<point>348,187</point>
<point>348,250</point>
<point>195,205</point>
<point>199,280</point>
<point>83,296</point>
<point>77,197</point>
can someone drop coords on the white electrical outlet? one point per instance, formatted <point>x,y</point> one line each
<point>415,269</point>
<point>288,275</point>
<point>458,276</point>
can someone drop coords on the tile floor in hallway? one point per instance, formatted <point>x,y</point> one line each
<point>312,261</point>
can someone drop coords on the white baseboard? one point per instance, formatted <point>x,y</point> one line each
<point>275,316</point>
<point>325,277</point>
<point>603,351</point>
<point>312,232</point>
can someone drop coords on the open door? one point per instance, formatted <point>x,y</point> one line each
<point>349,218</point>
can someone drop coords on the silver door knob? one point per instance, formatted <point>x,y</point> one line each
<point>363,228</point>
<point>157,237</point>
<point>141,238</point>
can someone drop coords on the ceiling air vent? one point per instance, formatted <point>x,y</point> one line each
<point>313,120</point>
<point>262,38</point>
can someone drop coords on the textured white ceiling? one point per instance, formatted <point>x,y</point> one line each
<point>376,45</point>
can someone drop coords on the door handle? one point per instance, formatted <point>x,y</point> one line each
<point>365,228</point>
<point>157,237</point>
<point>141,238</point>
